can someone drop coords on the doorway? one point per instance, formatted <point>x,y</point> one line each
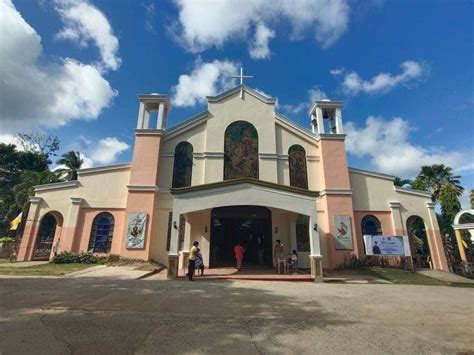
<point>44,240</point>
<point>249,225</point>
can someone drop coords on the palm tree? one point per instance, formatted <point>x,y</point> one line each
<point>434,178</point>
<point>72,161</point>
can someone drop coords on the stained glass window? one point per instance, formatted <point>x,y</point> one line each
<point>44,241</point>
<point>371,226</point>
<point>302,233</point>
<point>102,233</point>
<point>240,151</point>
<point>297,163</point>
<point>183,165</point>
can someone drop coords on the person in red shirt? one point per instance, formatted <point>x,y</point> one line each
<point>239,255</point>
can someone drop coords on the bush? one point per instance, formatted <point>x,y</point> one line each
<point>81,258</point>
<point>6,240</point>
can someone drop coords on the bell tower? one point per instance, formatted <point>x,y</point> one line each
<point>326,117</point>
<point>143,184</point>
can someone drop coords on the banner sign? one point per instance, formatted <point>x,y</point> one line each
<point>136,230</point>
<point>384,245</point>
<point>342,232</point>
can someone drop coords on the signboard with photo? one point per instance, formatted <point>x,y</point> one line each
<point>384,245</point>
<point>136,230</point>
<point>342,232</point>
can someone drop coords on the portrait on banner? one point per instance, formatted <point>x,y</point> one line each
<point>136,230</point>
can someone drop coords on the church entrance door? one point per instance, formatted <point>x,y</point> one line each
<point>249,225</point>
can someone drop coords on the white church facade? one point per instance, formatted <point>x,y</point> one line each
<point>238,172</point>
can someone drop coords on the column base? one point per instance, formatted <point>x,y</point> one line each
<point>172,271</point>
<point>316,267</point>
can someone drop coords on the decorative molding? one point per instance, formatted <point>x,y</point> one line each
<point>313,158</point>
<point>325,104</point>
<point>431,205</point>
<point>77,200</point>
<point>211,155</point>
<point>244,181</point>
<point>335,192</point>
<point>35,199</point>
<point>187,124</point>
<point>394,204</point>
<point>167,155</point>
<point>257,95</point>
<point>404,190</point>
<point>331,137</point>
<point>300,129</point>
<point>149,132</point>
<point>101,169</point>
<point>268,156</point>
<point>56,185</point>
<point>371,173</point>
<point>463,226</point>
<point>142,188</point>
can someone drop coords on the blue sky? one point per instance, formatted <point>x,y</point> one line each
<point>404,69</point>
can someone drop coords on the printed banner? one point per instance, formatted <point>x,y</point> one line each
<point>136,230</point>
<point>387,245</point>
<point>342,232</point>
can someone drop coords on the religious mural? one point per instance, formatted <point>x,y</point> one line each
<point>183,165</point>
<point>342,232</point>
<point>297,164</point>
<point>241,151</point>
<point>136,230</point>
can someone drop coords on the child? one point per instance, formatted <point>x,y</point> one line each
<point>199,262</point>
<point>294,262</point>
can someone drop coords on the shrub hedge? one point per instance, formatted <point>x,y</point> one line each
<point>81,258</point>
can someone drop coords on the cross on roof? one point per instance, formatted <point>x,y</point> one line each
<point>242,77</point>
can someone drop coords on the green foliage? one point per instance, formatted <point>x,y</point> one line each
<point>81,258</point>
<point>72,162</point>
<point>471,198</point>
<point>433,178</point>
<point>6,240</point>
<point>398,181</point>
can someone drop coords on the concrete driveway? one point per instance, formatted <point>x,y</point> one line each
<point>94,315</point>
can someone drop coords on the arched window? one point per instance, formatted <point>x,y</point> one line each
<point>297,163</point>
<point>240,151</point>
<point>102,233</point>
<point>371,226</point>
<point>45,237</point>
<point>183,165</point>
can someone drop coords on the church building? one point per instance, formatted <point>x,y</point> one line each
<point>239,172</point>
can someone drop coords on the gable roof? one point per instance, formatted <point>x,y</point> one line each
<point>235,90</point>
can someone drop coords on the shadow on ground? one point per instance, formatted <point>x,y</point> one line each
<point>65,315</point>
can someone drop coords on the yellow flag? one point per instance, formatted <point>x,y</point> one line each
<point>16,222</point>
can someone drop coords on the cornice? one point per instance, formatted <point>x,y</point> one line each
<point>56,186</point>
<point>142,188</point>
<point>371,173</point>
<point>101,169</point>
<point>404,190</point>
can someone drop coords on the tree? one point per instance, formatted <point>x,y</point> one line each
<point>471,198</point>
<point>398,181</point>
<point>72,162</point>
<point>12,164</point>
<point>39,143</point>
<point>433,178</point>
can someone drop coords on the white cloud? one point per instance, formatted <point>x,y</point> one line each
<point>386,144</point>
<point>204,80</point>
<point>107,150</point>
<point>315,93</point>
<point>149,17</point>
<point>204,24</point>
<point>34,94</point>
<point>259,47</point>
<point>336,72</point>
<point>412,71</point>
<point>84,23</point>
<point>9,139</point>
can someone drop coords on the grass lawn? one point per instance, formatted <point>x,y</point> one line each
<point>44,269</point>
<point>3,261</point>
<point>403,277</point>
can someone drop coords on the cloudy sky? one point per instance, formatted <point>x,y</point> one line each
<point>404,69</point>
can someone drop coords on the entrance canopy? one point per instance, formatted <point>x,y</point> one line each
<point>241,192</point>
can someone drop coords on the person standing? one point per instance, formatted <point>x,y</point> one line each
<point>192,261</point>
<point>278,254</point>
<point>239,252</point>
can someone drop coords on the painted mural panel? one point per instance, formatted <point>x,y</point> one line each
<point>183,165</point>
<point>342,232</point>
<point>136,230</point>
<point>297,165</point>
<point>241,151</point>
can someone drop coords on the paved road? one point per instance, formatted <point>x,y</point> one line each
<point>60,316</point>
